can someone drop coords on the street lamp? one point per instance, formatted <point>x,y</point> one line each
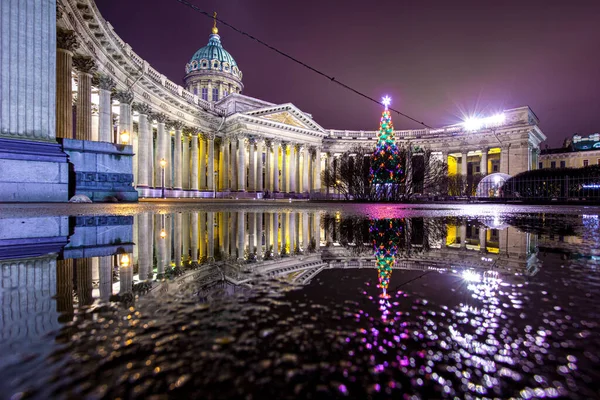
<point>124,137</point>
<point>163,164</point>
<point>124,260</point>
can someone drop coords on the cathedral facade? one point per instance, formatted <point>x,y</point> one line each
<point>207,138</point>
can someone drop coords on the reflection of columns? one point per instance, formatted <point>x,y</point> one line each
<point>251,232</point>
<point>463,235</point>
<point>194,183</point>
<point>482,238</point>
<point>241,164</point>
<point>292,227</point>
<point>463,164</point>
<point>268,230</point>
<point>126,279</point>
<point>105,285</point>
<point>317,187</point>
<point>241,234</point>
<point>317,230</point>
<point>284,167</point>
<point>210,167</point>
<point>144,253</point>
<point>83,267</point>
<point>276,146</point>
<point>105,86</point>
<point>210,231</point>
<point>202,235</point>
<point>483,162</point>
<point>259,234</point>
<point>285,248</point>
<point>161,251</point>
<point>66,43</point>
<point>144,136</point>
<point>177,164</point>
<point>85,67</point>
<point>177,222</point>
<point>275,234</point>
<point>259,165</point>
<point>252,165</point>
<point>202,163</point>
<point>194,240</point>
<point>305,234</point>
<point>185,229</point>
<point>305,170</point>
<point>64,286</point>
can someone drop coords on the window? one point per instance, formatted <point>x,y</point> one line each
<point>563,164</point>
<point>205,93</point>
<point>540,165</point>
<point>195,91</point>
<point>552,164</point>
<point>586,163</point>
<point>495,167</point>
<point>215,94</point>
<point>225,93</point>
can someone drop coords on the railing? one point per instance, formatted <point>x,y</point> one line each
<point>564,188</point>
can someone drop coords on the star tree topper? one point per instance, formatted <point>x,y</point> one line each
<point>386,101</point>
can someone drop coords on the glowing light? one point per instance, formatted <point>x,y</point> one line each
<point>592,186</point>
<point>471,276</point>
<point>163,234</point>
<point>475,124</point>
<point>386,101</point>
<point>163,163</point>
<point>125,260</point>
<point>124,137</point>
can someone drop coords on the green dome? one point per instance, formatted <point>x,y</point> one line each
<point>213,57</point>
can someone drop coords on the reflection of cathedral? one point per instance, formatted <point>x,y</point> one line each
<point>205,136</point>
<point>223,253</point>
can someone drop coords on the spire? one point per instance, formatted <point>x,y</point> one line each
<point>215,30</point>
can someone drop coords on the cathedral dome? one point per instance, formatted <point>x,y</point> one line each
<point>213,57</point>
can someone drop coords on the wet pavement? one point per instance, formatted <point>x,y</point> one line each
<point>299,301</point>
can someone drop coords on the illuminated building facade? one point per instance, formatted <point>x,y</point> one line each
<point>213,139</point>
<point>576,153</point>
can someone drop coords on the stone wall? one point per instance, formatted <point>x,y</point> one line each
<point>102,171</point>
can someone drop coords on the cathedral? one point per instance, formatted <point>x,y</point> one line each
<point>94,118</point>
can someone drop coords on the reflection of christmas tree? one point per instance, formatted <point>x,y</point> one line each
<point>386,237</point>
<point>386,166</point>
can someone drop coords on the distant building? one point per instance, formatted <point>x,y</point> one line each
<point>576,152</point>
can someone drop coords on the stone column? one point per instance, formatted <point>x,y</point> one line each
<point>284,167</point>
<point>210,167</point>
<point>317,171</point>
<point>105,86</point>
<point>252,165</point>
<point>144,136</point>
<point>125,99</point>
<point>202,163</point>
<point>105,278</point>
<point>85,67</point>
<point>161,148</point>
<point>259,165</point>
<point>233,164</point>
<point>483,162</point>
<point>268,166</point>
<point>305,170</point>
<point>66,44</point>
<point>185,178</point>
<point>294,168</point>
<point>225,169</point>
<point>504,159</point>
<point>169,157</point>
<point>194,172</point>
<point>151,152</point>
<point>463,164</point>
<point>241,164</point>
<point>276,146</point>
<point>328,168</point>
<point>177,162</point>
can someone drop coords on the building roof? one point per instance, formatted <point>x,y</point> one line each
<point>213,57</point>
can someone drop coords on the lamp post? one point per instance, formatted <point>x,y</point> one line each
<point>215,184</point>
<point>124,137</point>
<point>163,164</point>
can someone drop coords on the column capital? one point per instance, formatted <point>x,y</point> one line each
<point>161,118</point>
<point>190,130</point>
<point>84,64</point>
<point>124,96</point>
<point>142,108</point>
<point>103,82</point>
<point>176,125</point>
<point>66,40</point>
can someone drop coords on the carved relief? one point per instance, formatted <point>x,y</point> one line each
<point>104,82</point>
<point>84,64</point>
<point>142,108</point>
<point>285,118</point>
<point>66,39</point>
<point>124,96</point>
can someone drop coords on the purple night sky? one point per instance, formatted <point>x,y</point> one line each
<point>437,60</point>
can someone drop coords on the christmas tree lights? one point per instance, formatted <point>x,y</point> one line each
<point>386,237</point>
<point>386,166</point>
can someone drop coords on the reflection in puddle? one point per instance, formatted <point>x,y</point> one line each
<point>436,307</point>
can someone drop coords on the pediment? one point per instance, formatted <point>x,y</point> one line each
<point>287,114</point>
<point>286,118</point>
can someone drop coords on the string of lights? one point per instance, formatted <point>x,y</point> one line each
<point>331,78</point>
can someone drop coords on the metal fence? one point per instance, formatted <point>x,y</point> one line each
<point>567,188</point>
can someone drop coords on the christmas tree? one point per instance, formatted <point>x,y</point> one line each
<point>386,165</point>
<point>386,237</point>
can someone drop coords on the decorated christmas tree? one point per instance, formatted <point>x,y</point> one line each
<point>386,237</point>
<point>386,166</point>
